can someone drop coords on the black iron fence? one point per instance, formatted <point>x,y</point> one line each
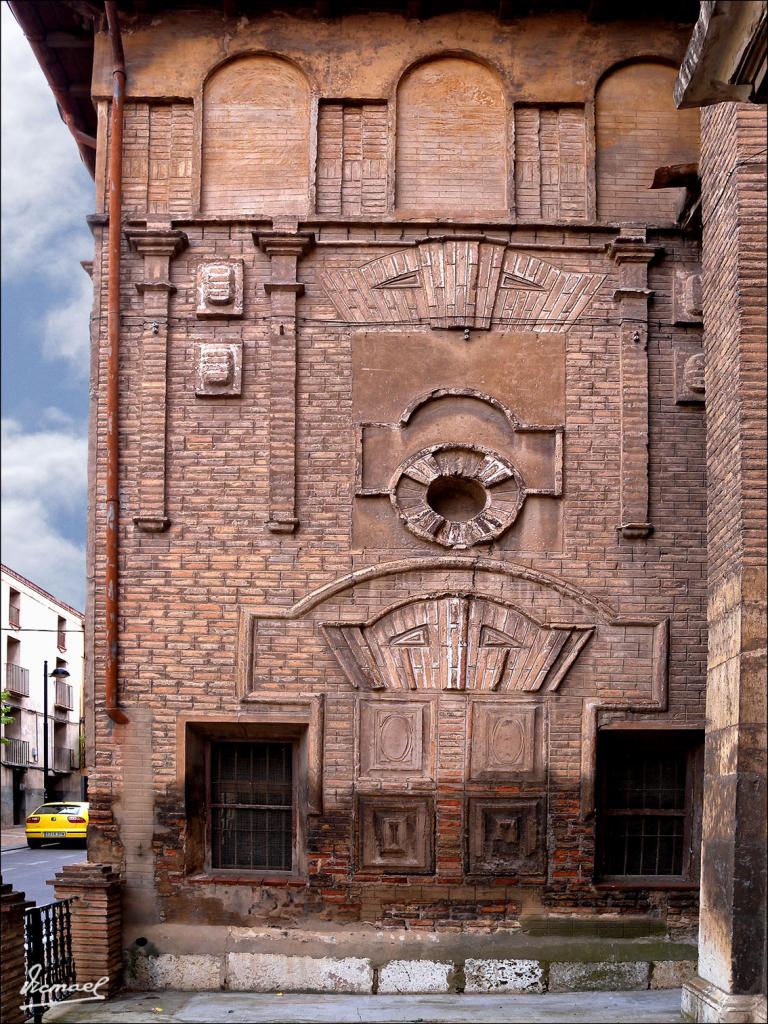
<point>50,966</point>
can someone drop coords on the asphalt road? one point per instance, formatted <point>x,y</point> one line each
<point>29,870</point>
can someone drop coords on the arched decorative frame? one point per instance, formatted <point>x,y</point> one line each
<point>197,150</point>
<point>603,613</point>
<point>643,58</point>
<point>504,84</point>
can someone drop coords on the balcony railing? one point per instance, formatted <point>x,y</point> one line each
<point>14,617</point>
<point>17,680</point>
<point>63,698</point>
<point>16,753</point>
<point>65,759</point>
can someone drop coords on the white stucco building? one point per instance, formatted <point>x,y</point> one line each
<point>37,629</point>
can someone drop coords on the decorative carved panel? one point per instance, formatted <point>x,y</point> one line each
<point>462,281</point>
<point>395,739</point>
<point>506,837</point>
<point>455,642</point>
<point>396,834</point>
<point>504,738</point>
<point>687,297</point>
<point>220,288</point>
<point>689,376</point>
<point>219,369</point>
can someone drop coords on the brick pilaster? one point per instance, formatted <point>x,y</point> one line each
<point>284,250</point>
<point>633,255</point>
<point>157,246</point>
<point>96,921</point>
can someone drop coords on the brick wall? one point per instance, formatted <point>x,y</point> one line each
<point>186,592</point>
<point>638,130</point>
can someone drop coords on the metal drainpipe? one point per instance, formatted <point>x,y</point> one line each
<point>111,550</point>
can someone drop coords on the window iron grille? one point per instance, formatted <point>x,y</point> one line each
<point>645,810</point>
<point>252,806</point>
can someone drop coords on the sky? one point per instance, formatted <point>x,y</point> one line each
<point>46,298</point>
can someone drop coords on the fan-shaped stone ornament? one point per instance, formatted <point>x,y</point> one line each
<point>456,642</point>
<point>461,281</point>
<point>457,495</point>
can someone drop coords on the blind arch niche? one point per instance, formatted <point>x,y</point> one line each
<point>638,128</point>
<point>256,138</point>
<point>451,138</point>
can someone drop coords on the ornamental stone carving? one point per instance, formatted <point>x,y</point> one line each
<point>457,495</point>
<point>219,369</point>
<point>455,642</point>
<point>396,834</point>
<point>461,281</point>
<point>506,837</point>
<point>220,289</point>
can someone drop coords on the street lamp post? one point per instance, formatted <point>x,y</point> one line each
<point>58,673</point>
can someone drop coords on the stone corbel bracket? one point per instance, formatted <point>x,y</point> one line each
<point>633,255</point>
<point>284,250</point>
<point>158,247</point>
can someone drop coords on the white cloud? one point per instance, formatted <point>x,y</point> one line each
<point>66,332</point>
<point>44,474</point>
<point>46,194</point>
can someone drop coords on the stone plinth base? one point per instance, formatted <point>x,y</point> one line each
<point>705,1003</point>
<point>96,922</point>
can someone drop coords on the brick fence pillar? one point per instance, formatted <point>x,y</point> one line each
<point>96,921</point>
<point>12,954</point>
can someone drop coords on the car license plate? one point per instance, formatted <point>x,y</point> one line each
<point>54,835</point>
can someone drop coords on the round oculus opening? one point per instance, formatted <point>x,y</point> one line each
<point>456,498</point>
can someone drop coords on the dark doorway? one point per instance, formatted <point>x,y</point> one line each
<point>19,798</point>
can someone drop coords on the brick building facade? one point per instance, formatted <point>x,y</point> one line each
<point>353,320</point>
<point>413,564</point>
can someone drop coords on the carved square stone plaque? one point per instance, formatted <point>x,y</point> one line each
<point>689,376</point>
<point>220,288</point>
<point>219,369</point>
<point>503,739</point>
<point>506,837</point>
<point>687,298</point>
<point>394,739</point>
<point>396,833</point>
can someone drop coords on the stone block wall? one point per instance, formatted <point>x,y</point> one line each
<point>733,926</point>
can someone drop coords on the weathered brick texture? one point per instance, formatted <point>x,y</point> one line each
<point>733,923</point>
<point>12,954</point>
<point>506,319</point>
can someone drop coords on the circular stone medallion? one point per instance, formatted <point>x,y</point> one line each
<point>457,495</point>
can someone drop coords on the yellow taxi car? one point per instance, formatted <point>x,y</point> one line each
<point>64,821</point>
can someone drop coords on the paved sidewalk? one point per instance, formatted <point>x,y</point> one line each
<point>248,1008</point>
<point>13,838</point>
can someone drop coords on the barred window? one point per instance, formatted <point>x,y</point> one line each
<point>646,824</point>
<point>252,806</point>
